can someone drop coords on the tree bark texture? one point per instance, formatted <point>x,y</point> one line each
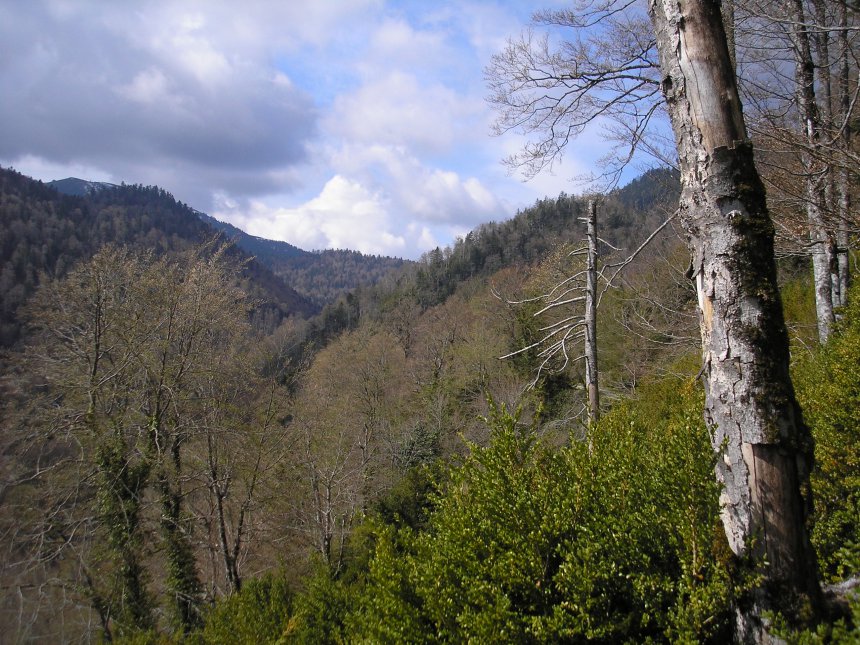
<point>844,181</point>
<point>764,448</point>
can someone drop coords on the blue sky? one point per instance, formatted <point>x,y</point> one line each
<point>353,124</point>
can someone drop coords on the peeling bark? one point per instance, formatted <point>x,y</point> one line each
<point>764,447</point>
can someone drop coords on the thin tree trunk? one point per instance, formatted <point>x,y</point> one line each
<point>219,492</point>
<point>591,370</point>
<point>764,448</point>
<point>844,185</point>
<point>816,175</point>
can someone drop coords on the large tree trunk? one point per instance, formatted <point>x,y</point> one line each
<point>764,447</point>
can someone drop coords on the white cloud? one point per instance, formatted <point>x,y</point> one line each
<point>351,123</point>
<point>416,189</point>
<point>397,44</point>
<point>396,108</point>
<point>402,209</point>
<point>345,215</point>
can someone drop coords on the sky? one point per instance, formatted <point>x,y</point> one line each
<point>358,124</point>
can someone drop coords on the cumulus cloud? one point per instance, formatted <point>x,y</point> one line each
<point>117,90</point>
<point>385,201</point>
<point>345,215</point>
<point>416,189</point>
<point>398,109</point>
<point>346,123</point>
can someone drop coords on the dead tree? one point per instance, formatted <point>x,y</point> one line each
<point>560,336</point>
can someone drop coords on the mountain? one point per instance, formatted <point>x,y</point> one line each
<point>626,216</point>
<point>44,232</point>
<point>79,187</point>
<point>321,276</point>
<point>266,251</point>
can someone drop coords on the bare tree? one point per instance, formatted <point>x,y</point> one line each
<point>596,66</point>
<point>592,371</point>
<point>793,53</point>
<point>560,336</point>
<point>124,351</point>
<point>553,91</point>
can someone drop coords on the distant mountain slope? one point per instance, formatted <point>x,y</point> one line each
<point>266,251</point>
<point>649,189</point>
<point>626,216</point>
<point>323,276</point>
<point>44,232</point>
<point>78,187</point>
<point>320,276</point>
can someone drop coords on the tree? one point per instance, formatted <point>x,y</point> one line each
<point>604,74</point>
<point>558,336</point>
<point>553,94</point>
<point>791,66</point>
<point>345,428</point>
<point>765,447</point>
<point>125,347</point>
<point>591,368</point>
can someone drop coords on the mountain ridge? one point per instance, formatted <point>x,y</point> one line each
<point>46,232</point>
<point>320,276</point>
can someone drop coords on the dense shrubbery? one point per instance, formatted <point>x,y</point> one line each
<point>257,614</point>
<point>829,390</point>
<point>611,539</point>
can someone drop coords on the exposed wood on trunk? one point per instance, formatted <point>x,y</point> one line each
<point>764,447</point>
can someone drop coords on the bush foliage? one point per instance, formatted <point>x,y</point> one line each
<point>829,391</point>
<point>610,539</point>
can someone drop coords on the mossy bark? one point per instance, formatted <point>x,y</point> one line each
<point>765,449</point>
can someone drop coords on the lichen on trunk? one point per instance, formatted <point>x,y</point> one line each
<point>763,445</point>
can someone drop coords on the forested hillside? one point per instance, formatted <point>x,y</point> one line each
<point>45,233</point>
<point>377,473</point>
<point>630,417</point>
<point>320,276</point>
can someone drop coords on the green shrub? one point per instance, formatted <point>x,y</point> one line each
<point>320,610</point>
<point>612,540</point>
<point>259,613</point>
<point>829,392</point>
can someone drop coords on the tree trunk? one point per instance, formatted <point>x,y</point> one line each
<point>844,182</point>
<point>763,445</point>
<point>728,11</point>
<point>816,175</point>
<point>591,371</point>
